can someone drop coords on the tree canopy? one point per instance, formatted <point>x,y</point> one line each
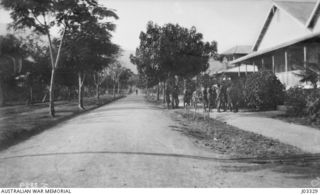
<point>172,50</point>
<point>85,34</point>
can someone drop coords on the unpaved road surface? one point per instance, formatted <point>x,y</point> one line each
<point>131,143</point>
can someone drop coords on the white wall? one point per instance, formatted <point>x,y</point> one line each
<point>290,79</point>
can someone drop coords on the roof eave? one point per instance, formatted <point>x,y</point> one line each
<point>265,25</point>
<point>308,24</point>
<point>267,22</point>
<point>280,46</point>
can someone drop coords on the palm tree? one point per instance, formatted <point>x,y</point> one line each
<point>310,73</point>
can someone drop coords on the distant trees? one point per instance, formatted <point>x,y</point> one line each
<point>72,16</point>
<point>116,71</point>
<point>170,51</point>
<point>99,77</point>
<point>24,67</point>
<point>11,53</point>
<point>35,72</point>
<point>124,78</point>
<point>88,48</point>
<point>35,15</point>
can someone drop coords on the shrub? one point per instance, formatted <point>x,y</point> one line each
<point>263,91</point>
<point>313,105</point>
<point>296,101</point>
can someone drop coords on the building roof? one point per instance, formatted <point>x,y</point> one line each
<point>243,69</point>
<point>280,46</point>
<point>301,10</point>
<point>239,49</point>
<point>315,12</point>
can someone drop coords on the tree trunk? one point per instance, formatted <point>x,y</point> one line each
<point>158,91</point>
<point>114,89</point>
<point>1,93</point>
<point>80,92</point>
<point>164,92</point>
<point>51,93</point>
<point>44,97</point>
<point>31,95</point>
<point>54,65</point>
<point>118,87</point>
<point>98,93</point>
<point>147,88</point>
<point>69,94</point>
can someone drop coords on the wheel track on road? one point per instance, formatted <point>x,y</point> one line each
<point>279,160</point>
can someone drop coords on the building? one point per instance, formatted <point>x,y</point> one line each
<point>289,38</point>
<point>234,73</point>
<point>230,70</point>
<point>236,52</point>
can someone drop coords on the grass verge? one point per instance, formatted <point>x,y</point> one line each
<point>225,139</point>
<point>18,123</point>
<point>299,120</point>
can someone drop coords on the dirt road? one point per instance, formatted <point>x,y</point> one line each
<point>130,143</point>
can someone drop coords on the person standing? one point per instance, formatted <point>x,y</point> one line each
<point>223,96</point>
<point>205,98</point>
<point>175,97</point>
<point>187,98</point>
<point>220,97</point>
<point>167,93</point>
<point>212,97</point>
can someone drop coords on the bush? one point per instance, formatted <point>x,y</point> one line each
<point>303,102</point>
<point>241,92</point>
<point>313,106</point>
<point>263,91</point>
<point>296,101</point>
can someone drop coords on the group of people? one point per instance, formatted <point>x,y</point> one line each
<point>174,99</point>
<point>224,96</point>
<point>220,96</point>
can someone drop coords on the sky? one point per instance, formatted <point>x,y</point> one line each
<point>229,22</point>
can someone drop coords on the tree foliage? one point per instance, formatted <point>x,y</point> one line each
<point>310,73</point>
<point>183,52</point>
<point>85,34</point>
<point>171,50</point>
